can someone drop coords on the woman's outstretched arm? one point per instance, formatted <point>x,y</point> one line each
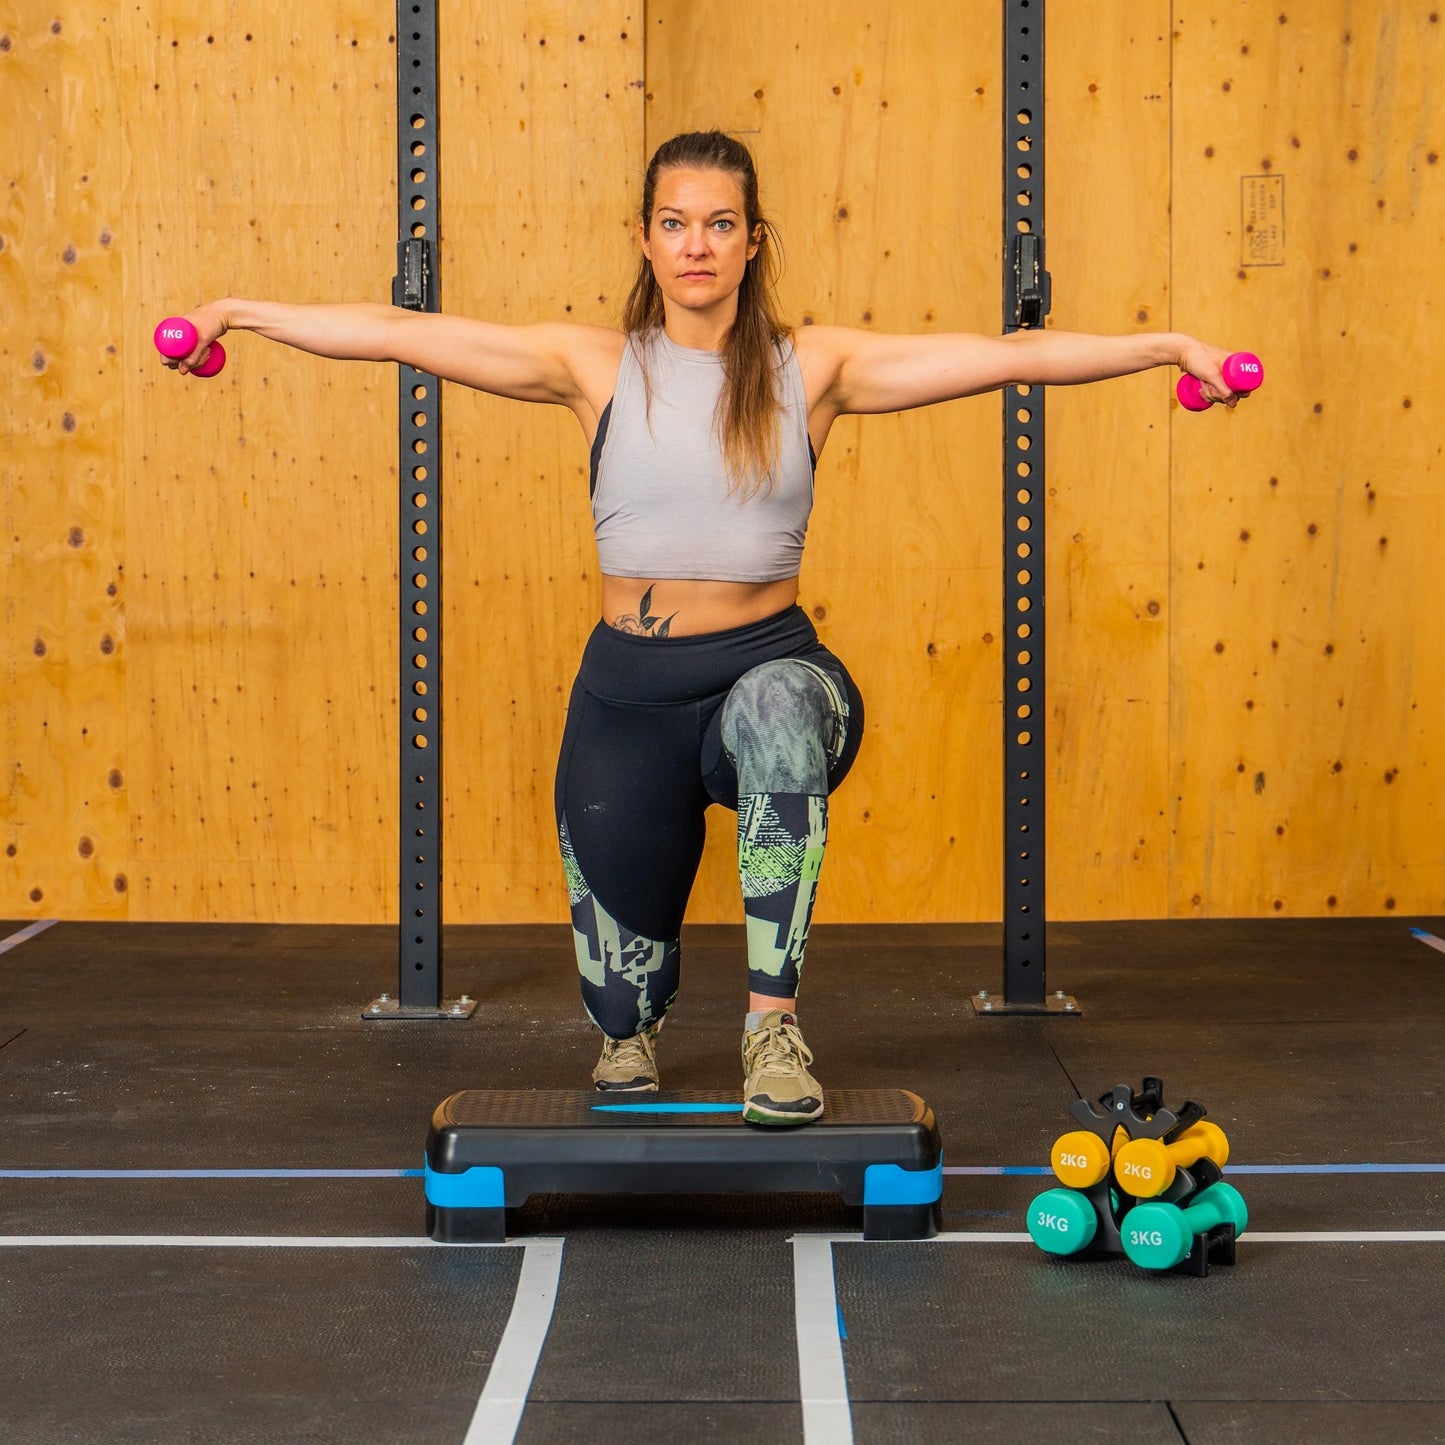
<point>549,362</point>
<point>851,371</point>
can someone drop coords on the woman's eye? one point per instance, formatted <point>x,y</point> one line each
<point>724,225</point>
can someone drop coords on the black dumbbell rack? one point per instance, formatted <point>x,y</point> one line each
<point>1142,1114</point>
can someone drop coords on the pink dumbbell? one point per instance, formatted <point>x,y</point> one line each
<point>1242,371</point>
<point>177,338</point>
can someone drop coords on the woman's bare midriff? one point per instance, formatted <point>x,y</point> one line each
<point>683,608</point>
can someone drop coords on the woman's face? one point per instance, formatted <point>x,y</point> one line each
<point>698,241</point>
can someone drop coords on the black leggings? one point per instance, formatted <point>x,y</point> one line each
<point>658,729</point>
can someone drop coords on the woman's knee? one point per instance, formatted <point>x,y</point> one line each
<point>782,725</point>
<point>633,990</point>
<point>628,979</point>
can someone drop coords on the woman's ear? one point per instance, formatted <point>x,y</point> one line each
<point>642,237</point>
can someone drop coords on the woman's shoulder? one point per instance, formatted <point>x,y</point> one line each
<point>582,339</point>
<point>575,342</point>
<point>588,355</point>
<point>593,354</point>
<point>812,342</point>
<point>820,351</point>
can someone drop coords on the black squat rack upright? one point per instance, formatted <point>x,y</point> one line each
<point>417,286</point>
<point>1026,300</point>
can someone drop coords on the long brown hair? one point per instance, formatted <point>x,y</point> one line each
<point>747,420</point>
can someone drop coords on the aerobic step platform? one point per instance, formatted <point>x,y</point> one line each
<point>488,1152</point>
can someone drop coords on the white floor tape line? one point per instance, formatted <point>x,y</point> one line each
<point>822,1380</point>
<point>236,1241</point>
<point>822,1376</point>
<point>16,939</point>
<point>1345,1236</point>
<point>509,1381</point>
<point>1251,1236</point>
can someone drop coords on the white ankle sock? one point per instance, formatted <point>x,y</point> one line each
<point>755,1019</point>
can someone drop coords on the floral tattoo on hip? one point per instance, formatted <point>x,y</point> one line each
<point>642,623</point>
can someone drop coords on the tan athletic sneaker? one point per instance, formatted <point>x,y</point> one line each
<point>779,1089</point>
<point>629,1066</point>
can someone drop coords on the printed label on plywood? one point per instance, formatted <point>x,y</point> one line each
<point>1261,207</point>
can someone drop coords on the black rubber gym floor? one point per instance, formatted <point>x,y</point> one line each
<point>142,1301</point>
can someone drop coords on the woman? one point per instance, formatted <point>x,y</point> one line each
<point>704,681</point>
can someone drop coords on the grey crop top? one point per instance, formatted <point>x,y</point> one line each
<point>660,498</point>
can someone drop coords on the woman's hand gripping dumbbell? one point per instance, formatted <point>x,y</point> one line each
<point>188,349</point>
<point>1241,371</point>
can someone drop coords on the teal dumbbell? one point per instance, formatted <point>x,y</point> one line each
<point>1159,1236</point>
<point>1062,1221</point>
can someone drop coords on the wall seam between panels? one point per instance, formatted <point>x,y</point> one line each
<point>1173,811</point>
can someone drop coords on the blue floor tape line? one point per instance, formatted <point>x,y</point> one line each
<point>211,1173</point>
<point>1029,1170</point>
<point>16,939</point>
<point>974,1170</point>
<point>1336,1168</point>
<point>1040,1170</point>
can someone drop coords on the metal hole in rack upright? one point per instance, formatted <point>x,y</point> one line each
<point>1026,303</point>
<point>419,569</point>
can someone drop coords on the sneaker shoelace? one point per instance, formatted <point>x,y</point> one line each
<point>780,1050</point>
<point>629,1052</point>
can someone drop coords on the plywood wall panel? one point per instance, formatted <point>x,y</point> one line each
<point>260,504</point>
<point>199,690</point>
<point>876,134</point>
<point>542,134</point>
<point>1306,730</point>
<point>63,810</point>
<point>1107,228</point>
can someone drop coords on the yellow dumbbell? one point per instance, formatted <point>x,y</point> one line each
<point>1080,1159</point>
<point>1145,1168</point>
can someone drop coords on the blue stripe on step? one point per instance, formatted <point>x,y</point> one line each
<point>669,1108</point>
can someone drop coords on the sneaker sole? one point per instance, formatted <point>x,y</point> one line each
<point>644,1088</point>
<point>756,1113</point>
